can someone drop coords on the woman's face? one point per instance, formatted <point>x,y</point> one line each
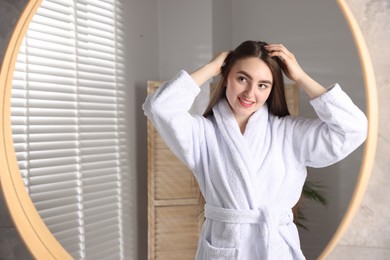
<point>248,84</point>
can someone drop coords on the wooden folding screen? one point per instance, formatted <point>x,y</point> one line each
<point>174,215</point>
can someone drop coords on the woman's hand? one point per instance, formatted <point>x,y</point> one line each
<point>290,64</point>
<point>294,72</point>
<point>211,69</point>
<point>218,61</point>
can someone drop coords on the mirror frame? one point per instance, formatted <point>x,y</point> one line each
<point>35,234</point>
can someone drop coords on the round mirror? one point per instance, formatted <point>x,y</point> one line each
<point>157,47</point>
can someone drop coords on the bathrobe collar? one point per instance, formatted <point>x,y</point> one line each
<point>248,149</point>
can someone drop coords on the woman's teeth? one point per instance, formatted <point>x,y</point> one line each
<point>245,102</point>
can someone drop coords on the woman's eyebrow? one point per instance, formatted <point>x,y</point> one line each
<point>251,78</point>
<point>245,74</point>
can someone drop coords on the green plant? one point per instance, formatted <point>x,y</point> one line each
<point>311,191</point>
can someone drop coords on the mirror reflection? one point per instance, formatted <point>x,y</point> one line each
<point>70,105</point>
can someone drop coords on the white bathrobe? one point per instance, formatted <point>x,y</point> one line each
<point>251,181</point>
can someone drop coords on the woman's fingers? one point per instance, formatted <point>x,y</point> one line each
<point>290,65</point>
<point>220,57</point>
<point>218,61</point>
<point>277,47</point>
<point>279,50</point>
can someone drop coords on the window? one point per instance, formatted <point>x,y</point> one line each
<point>69,128</point>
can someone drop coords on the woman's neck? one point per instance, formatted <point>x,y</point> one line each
<point>242,122</point>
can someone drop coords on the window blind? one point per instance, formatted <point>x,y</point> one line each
<point>69,128</point>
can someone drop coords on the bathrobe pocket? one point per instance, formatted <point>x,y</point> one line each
<point>219,253</point>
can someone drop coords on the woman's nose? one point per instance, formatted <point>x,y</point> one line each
<point>250,89</point>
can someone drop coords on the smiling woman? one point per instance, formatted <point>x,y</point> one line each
<point>34,231</point>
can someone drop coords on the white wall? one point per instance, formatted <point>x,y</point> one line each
<point>222,25</point>
<point>185,35</point>
<point>185,40</point>
<point>141,23</point>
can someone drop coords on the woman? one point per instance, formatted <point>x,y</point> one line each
<point>247,154</point>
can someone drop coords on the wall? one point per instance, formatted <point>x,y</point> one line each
<point>222,25</point>
<point>185,40</point>
<point>11,246</point>
<point>141,28</point>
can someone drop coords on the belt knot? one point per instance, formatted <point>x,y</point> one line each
<point>269,219</point>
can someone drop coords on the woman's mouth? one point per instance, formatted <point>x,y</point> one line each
<point>245,103</point>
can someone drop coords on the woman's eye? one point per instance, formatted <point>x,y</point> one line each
<point>263,86</point>
<point>241,79</point>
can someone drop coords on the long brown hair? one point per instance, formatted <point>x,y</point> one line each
<point>276,101</point>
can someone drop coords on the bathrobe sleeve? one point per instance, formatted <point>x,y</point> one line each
<point>341,127</point>
<point>168,110</point>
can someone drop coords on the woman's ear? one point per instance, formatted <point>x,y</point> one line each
<point>224,84</point>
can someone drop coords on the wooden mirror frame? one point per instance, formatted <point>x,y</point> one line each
<point>35,234</point>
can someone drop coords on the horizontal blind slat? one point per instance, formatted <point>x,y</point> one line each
<point>62,42</point>
<point>55,194</point>
<point>58,203</point>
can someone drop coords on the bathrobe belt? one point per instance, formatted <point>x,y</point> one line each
<point>264,217</point>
